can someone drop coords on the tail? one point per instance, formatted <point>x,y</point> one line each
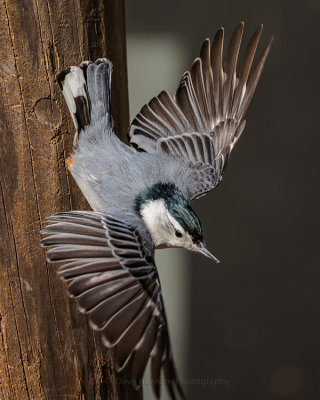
<point>87,92</point>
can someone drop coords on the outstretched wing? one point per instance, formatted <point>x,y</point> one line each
<point>202,123</point>
<point>116,284</point>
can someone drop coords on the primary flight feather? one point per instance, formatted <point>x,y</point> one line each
<point>140,200</point>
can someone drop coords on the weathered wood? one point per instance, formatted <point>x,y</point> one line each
<point>47,350</point>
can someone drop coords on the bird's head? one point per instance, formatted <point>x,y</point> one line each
<point>170,220</point>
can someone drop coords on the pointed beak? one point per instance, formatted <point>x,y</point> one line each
<point>201,248</point>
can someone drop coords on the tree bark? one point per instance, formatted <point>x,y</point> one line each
<point>47,350</point>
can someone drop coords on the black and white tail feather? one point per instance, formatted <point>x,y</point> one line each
<point>87,91</point>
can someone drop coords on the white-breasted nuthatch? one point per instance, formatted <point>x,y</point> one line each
<point>140,200</point>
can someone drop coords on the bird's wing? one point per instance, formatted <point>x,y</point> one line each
<point>116,284</point>
<point>201,124</point>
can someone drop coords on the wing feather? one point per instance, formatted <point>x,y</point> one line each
<point>244,69</point>
<point>126,344</point>
<point>253,80</point>
<point>217,70</point>
<point>207,77</point>
<point>230,69</point>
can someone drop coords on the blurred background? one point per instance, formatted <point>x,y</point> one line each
<point>247,328</point>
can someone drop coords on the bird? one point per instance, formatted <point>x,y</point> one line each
<point>140,194</point>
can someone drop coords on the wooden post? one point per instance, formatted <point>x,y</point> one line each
<point>47,350</point>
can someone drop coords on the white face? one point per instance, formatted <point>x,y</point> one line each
<point>165,230</point>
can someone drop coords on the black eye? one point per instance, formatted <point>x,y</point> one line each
<point>178,234</point>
